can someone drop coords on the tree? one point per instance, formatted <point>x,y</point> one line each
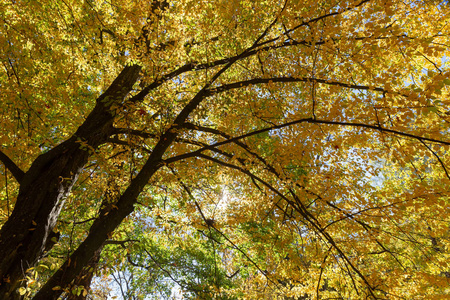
<point>241,149</point>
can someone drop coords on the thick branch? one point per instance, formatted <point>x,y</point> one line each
<point>47,182</point>
<point>257,48</point>
<point>106,224</point>
<point>12,167</point>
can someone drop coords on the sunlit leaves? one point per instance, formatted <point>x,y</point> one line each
<point>348,201</point>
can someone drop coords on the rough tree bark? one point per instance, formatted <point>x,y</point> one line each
<point>105,224</point>
<point>51,177</point>
<point>45,185</point>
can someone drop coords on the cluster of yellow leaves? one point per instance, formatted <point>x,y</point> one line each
<point>375,203</point>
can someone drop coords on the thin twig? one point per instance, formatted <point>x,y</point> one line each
<point>438,158</point>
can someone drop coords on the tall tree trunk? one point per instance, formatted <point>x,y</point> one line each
<point>45,185</point>
<point>84,279</point>
<point>104,225</point>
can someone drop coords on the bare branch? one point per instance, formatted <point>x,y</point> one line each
<point>233,140</point>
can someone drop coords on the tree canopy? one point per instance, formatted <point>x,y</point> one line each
<point>223,149</point>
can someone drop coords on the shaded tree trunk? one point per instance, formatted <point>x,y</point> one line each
<point>84,279</point>
<point>45,185</point>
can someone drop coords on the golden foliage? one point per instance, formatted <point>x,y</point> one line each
<point>308,152</point>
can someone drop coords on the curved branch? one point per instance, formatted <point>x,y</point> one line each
<point>164,270</point>
<point>107,223</point>
<point>233,140</point>
<point>382,129</point>
<point>302,210</point>
<point>239,143</point>
<point>256,48</point>
<point>305,120</point>
<point>314,20</point>
<point>12,167</point>
<point>194,66</point>
<point>245,254</point>
<point>271,169</point>
<point>240,84</point>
